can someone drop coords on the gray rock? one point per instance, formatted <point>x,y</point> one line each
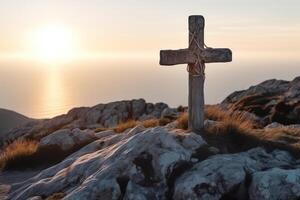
<point>266,87</point>
<point>172,125</point>
<point>275,184</point>
<point>103,134</point>
<point>144,159</point>
<point>221,174</point>
<point>67,139</point>
<point>170,113</point>
<point>138,108</point>
<point>294,126</point>
<point>35,198</point>
<point>210,123</point>
<point>160,163</point>
<point>158,108</point>
<point>101,115</point>
<point>135,130</point>
<point>272,100</point>
<point>293,92</point>
<point>274,125</point>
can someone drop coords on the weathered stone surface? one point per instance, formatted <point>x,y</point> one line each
<point>172,125</point>
<point>209,123</point>
<point>270,86</point>
<point>273,125</point>
<point>275,184</point>
<point>66,139</point>
<point>159,163</point>
<point>103,134</point>
<point>272,100</point>
<point>116,165</point>
<point>223,175</point>
<point>170,113</point>
<point>35,198</point>
<point>101,115</point>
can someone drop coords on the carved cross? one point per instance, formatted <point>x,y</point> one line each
<point>196,55</point>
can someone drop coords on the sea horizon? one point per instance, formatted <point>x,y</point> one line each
<point>36,90</point>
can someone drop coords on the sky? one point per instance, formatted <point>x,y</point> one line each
<point>131,26</point>
<point>58,54</point>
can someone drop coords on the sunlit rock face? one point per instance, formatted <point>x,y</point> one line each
<point>138,163</point>
<point>164,163</point>
<point>99,116</point>
<point>272,100</point>
<point>66,139</point>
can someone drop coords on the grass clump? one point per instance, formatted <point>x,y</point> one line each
<point>182,121</point>
<point>17,153</point>
<point>56,196</point>
<point>150,123</point>
<point>284,135</point>
<point>123,126</point>
<point>164,121</point>
<point>233,134</point>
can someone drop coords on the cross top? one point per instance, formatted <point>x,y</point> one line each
<point>196,55</point>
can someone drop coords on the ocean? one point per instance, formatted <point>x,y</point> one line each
<point>40,90</point>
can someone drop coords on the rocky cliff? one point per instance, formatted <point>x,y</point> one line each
<point>272,100</point>
<point>165,162</point>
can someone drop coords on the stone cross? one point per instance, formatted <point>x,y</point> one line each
<point>196,55</point>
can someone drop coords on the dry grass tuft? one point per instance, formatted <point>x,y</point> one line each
<point>215,113</point>
<point>283,135</point>
<point>97,130</point>
<point>17,153</point>
<point>234,132</point>
<point>150,123</point>
<point>232,124</point>
<point>237,133</point>
<point>123,126</point>
<point>56,196</point>
<point>164,121</point>
<point>182,121</point>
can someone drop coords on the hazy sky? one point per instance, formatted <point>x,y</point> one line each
<point>264,36</point>
<point>147,26</point>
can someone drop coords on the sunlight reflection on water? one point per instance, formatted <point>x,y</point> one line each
<point>39,92</point>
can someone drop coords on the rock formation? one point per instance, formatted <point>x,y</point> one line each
<point>272,100</point>
<point>164,162</point>
<point>160,163</point>
<point>99,116</point>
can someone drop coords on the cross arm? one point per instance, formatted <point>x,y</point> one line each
<point>186,56</point>
<point>176,57</point>
<point>211,55</point>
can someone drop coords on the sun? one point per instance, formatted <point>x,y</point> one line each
<point>53,43</point>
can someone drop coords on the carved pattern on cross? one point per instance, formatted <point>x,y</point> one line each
<point>197,68</point>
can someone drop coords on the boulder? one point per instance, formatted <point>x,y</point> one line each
<point>275,184</point>
<point>66,139</point>
<point>101,115</point>
<point>103,134</point>
<point>272,101</point>
<point>274,125</point>
<point>170,113</point>
<point>138,108</point>
<point>271,86</point>
<point>160,163</point>
<point>133,166</point>
<point>223,176</point>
